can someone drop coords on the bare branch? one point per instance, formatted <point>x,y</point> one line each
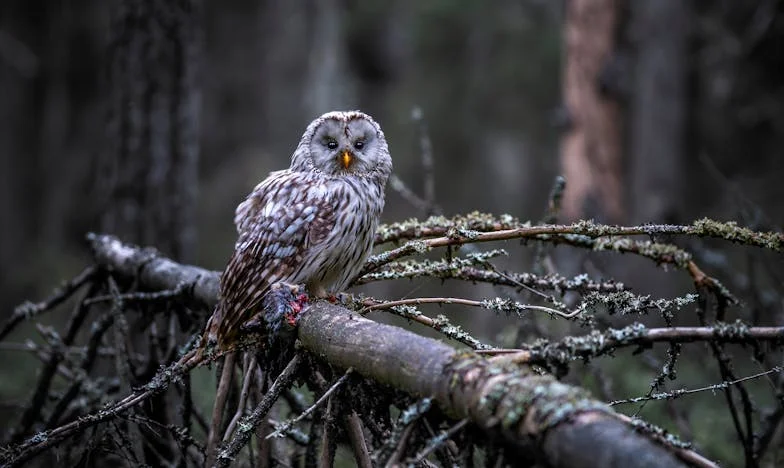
<point>437,441</point>
<point>394,446</point>
<point>248,377</point>
<point>677,393</point>
<point>218,407</point>
<point>248,424</point>
<point>428,165</point>
<point>280,431</point>
<point>29,310</point>
<point>357,439</point>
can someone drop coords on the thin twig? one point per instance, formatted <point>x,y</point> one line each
<point>428,165</point>
<point>685,454</point>
<point>35,407</point>
<point>218,407</point>
<point>436,441</point>
<point>677,393</point>
<point>29,310</point>
<point>397,184</point>
<point>140,296</point>
<point>248,424</point>
<point>441,324</point>
<point>600,343</point>
<point>457,300</point>
<point>357,438</point>
<point>45,439</point>
<point>248,376</point>
<point>400,449</point>
<point>280,431</point>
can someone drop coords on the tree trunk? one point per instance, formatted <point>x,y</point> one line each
<point>659,107</point>
<point>149,179</point>
<point>591,148</point>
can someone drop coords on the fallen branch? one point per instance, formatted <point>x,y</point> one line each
<point>155,272</point>
<point>532,413</point>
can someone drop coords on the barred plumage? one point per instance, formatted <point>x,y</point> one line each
<point>311,224</point>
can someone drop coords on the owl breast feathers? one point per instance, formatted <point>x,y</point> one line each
<point>311,224</point>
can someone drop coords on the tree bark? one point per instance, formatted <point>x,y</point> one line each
<point>148,180</point>
<point>591,148</point>
<point>534,414</point>
<point>659,107</point>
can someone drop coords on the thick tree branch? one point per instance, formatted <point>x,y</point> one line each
<point>154,271</point>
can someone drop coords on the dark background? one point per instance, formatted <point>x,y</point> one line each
<point>153,119</point>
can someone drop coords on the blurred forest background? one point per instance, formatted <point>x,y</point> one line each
<point>152,119</point>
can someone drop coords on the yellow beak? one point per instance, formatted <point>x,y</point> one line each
<point>346,158</point>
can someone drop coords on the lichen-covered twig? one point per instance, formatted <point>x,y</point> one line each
<point>481,222</point>
<point>441,324</point>
<point>497,304</point>
<point>29,310</point>
<point>684,391</point>
<point>479,227</point>
<point>587,235</point>
<point>20,453</point>
<point>467,269</point>
<point>598,343</point>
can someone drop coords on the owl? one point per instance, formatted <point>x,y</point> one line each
<point>310,224</point>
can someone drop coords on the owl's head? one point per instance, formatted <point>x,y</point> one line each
<point>343,143</point>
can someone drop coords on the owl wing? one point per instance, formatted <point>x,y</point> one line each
<point>285,216</point>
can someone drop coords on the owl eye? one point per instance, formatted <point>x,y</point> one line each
<point>359,144</point>
<point>332,144</point>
